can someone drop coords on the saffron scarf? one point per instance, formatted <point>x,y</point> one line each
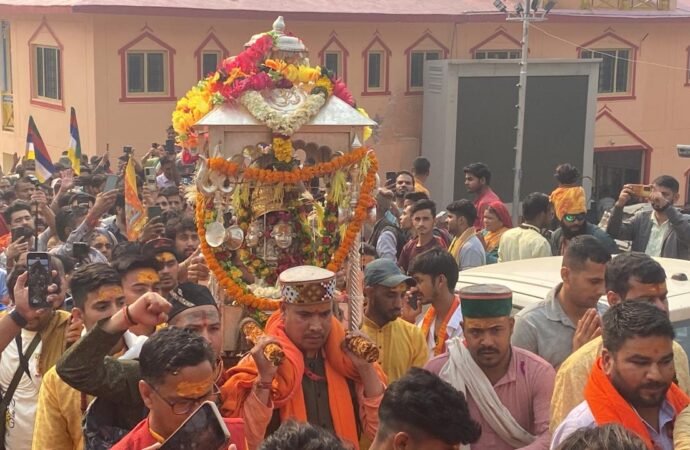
<point>492,239</point>
<point>441,334</point>
<point>287,385</point>
<point>459,241</point>
<point>608,406</point>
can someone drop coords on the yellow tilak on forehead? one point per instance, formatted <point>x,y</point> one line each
<point>195,389</point>
<point>148,276</point>
<point>165,257</point>
<point>110,292</point>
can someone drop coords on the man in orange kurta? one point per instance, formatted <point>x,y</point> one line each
<point>319,381</point>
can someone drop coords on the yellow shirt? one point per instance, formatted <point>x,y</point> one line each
<point>572,376</point>
<point>401,346</point>
<point>681,431</point>
<point>58,415</point>
<point>419,187</point>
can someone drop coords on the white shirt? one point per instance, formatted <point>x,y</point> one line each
<point>581,417</point>
<point>453,329</point>
<point>656,236</point>
<point>523,242</point>
<point>21,412</point>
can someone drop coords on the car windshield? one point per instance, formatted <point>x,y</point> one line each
<point>683,334</point>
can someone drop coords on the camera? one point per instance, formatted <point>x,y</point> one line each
<point>127,149</point>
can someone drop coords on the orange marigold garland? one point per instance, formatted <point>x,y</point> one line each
<point>241,294</point>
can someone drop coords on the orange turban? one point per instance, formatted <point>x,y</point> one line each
<point>568,200</point>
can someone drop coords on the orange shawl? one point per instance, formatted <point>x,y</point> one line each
<point>608,406</point>
<point>287,385</point>
<point>568,199</point>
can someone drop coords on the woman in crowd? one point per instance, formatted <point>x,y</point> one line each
<point>496,222</point>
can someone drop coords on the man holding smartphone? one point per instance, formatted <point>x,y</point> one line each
<point>97,294</point>
<point>663,231</point>
<point>31,341</point>
<point>177,370</point>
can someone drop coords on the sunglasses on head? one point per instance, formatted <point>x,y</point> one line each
<point>574,217</point>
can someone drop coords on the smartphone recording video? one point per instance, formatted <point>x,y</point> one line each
<point>39,278</point>
<point>153,211</point>
<point>150,175</point>
<point>204,429</point>
<point>110,183</point>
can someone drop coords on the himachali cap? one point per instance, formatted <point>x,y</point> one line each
<point>189,295</point>
<point>305,285</point>
<point>385,272</point>
<point>486,300</point>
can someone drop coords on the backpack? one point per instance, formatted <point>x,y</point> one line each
<point>382,225</point>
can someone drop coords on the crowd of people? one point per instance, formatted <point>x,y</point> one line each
<point>128,340</point>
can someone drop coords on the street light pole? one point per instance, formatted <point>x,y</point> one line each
<point>526,16</point>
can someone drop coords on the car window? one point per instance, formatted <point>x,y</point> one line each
<point>683,334</point>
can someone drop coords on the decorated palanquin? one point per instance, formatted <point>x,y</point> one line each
<point>283,177</point>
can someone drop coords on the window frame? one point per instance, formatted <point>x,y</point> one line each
<point>44,36</point>
<point>611,40</point>
<point>377,45</point>
<point>145,75</point>
<point>426,53</point>
<point>154,45</point>
<point>339,58</point>
<point>507,51</point>
<point>383,63</point>
<point>431,45</point>
<point>58,73</point>
<point>219,59</point>
<point>334,45</point>
<point>617,59</point>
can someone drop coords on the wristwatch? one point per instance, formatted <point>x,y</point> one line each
<point>18,319</point>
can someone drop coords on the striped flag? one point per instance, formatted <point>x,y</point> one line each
<point>74,149</point>
<point>36,149</point>
<point>135,214</point>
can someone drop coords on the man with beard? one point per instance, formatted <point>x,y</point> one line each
<point>87,367</point>
<point>401,344</point>
<point>387,237</point>
<point>569,205</point>
<point>631,383</point>
<point>664,231</point>
<point>508,389</point>
<point>163,250</point>
<point>182,231</point>
<point>435,273</point>
<point>477,182</point>
<point>631,276</point>
<point>404,184</point>
<point>567,318</point>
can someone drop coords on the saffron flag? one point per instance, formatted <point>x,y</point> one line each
<point>36,150</point>
<point>135,214</point>
<point>74,149</point>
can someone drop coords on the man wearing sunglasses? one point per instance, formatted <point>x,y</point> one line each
<point>629,277</point>
<point>178,370</point>
<point>570,207</point>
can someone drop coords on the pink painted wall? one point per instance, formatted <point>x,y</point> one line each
<point>656,115</point>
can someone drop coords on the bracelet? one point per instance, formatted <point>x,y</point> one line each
<point>18,319</point>
<point>264,385</point>
<point>128,318</point>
